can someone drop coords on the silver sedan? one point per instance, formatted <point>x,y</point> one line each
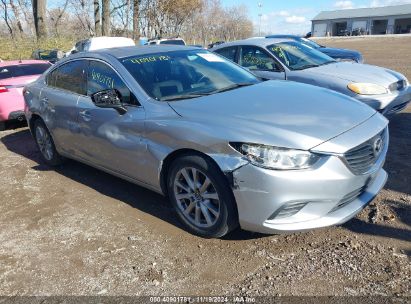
<point>384,90</point>
<point>227,149</point>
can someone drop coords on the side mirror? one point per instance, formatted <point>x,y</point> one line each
<point>109,99</point>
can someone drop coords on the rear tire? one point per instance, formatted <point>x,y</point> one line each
<point>46,145</point>
<point>201,196</point>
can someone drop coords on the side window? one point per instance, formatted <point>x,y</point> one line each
<point>51,78</point>
<point>254,58</point>
<point>228,52</point>
<point>70,76</point>
<point>103,77</point>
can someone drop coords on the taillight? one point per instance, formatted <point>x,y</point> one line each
<point>3,89</point>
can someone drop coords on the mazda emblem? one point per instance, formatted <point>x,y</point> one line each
<point>378,143</point>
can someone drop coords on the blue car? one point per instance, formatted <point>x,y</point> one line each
<point>339,54</point>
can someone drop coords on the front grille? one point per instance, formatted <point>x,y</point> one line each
<point>397,86</point>
<point>361,158</point>
<point>349,198</point>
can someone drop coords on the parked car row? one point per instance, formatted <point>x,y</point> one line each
<point>267,134</point>
<point>286,59</point>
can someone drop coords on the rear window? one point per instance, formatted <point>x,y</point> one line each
<point>175,42</point>
<point>48,55</point>
<point>23,70</point>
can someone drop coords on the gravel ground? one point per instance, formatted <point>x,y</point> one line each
<point>79,231</point>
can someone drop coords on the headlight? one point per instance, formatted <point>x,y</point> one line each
<point>367,89</point>
<point>276,158</point>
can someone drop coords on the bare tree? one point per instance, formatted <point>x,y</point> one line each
<point>97,17</point>
<point>16,14</point>
<point>106,18</point>
<point>6,17</point>
<point>85,25</point>
<point>136,23</point>
<point>26,9</point>
<point>39,14</point>
<point>56,15</point>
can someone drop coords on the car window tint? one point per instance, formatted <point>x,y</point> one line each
<point>6,72</point>
<point>255,58</point>
<point>229,52</point>
<point>23,70</point>
<point>297,56</point>
<point>185,72</point>
<point>103,77</point>
<point>70,76</point>
<point>51,78</point>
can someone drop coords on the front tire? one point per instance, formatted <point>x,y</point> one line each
<point>201,196</point>
<point>46,145</point>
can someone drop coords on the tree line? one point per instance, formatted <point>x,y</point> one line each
<point>198,21</point>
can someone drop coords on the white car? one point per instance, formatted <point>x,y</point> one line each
<point>97,43</point>
<point>174,41</point>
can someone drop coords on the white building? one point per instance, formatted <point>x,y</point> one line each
<point>372,21</point>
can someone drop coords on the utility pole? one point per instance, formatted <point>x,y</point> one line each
<point>260,14</point>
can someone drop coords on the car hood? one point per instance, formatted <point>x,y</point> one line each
<point>341,53</point>
<point>354,72</point>
<point>278,113</point>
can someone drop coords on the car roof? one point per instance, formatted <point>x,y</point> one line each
<point>262,42</point>
<point>21,62</point>
<point>127,51</point>
<point>284,36</point>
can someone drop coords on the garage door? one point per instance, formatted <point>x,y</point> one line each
<point>320,30</point>
<point>359,25</point>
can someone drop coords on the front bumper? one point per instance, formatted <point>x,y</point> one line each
<point>17,115</point>
<point>266,192</point>
<point>388,104</point>
<point>330,193</point>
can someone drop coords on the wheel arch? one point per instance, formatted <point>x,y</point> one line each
<point>168,160</point>
<point>32,120</point>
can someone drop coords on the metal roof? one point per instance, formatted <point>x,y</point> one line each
<point>262,42</point>
<point>127,51</point>
<point>404,9</point>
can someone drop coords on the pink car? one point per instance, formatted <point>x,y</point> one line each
<point>14,75</point>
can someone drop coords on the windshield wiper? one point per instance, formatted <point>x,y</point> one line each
<point>307,66</point>
<point>201,94</point>
<point>184,96</point>
<point>233,86</point>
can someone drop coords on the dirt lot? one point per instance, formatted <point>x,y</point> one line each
<point>79,231</point>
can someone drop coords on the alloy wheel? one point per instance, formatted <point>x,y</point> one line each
<point>44,142</point>
<point>196,197</point>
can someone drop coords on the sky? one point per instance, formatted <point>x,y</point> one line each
<point>294,16</point>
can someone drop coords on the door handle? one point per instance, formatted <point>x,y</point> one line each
<point>85,115</point>
<point>45,100</point>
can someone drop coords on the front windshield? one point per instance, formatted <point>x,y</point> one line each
<point>173,41</point>
<point>297,56</point>
<point>310,43</point>
<point>48,55</point>
<point>186,74</point>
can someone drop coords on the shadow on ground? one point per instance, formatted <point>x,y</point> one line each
<point>22,143</point>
